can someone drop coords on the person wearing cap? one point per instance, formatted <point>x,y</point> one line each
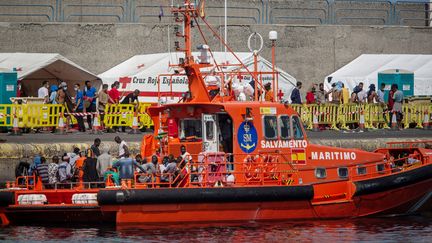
<point>269,96</point>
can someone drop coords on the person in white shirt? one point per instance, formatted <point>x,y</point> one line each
<point>380,94</point>
<point>362,96</point>
<point>123,148</point>
<point>43,92</point>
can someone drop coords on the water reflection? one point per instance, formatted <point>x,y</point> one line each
<point>412,229</point>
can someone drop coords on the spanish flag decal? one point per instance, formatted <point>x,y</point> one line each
<point>298,156</point>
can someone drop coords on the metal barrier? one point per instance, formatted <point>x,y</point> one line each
<point>356,12</point>
<point>119,115</point>
<point>375,115</point>
<point>39,115</point>
<point>144,118</point>
<point>331,115</point>
<point>48,115</point>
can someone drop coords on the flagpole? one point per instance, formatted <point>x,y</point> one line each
<point>226,32</point>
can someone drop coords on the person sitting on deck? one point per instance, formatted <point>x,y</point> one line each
<point>42,172</point>
<point>125,167</point>
<point>164,164</point>
<point>151,170</point>
<point>170,172</point>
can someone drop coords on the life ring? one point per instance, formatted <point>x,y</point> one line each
<point>269,166</point>
<point>251,167</point>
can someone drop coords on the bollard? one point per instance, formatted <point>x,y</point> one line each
<point>362,122</point>
<point>61,126</point>
<point>96,125</point>
<point>315,123</point>
<point>394,124</point>
<point>426,120</point>
<point>135,126</point>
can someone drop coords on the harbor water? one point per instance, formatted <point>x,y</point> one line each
<point>393,229</point>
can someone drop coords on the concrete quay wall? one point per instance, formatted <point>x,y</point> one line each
<point>12,153</point>
<point>308,52</point>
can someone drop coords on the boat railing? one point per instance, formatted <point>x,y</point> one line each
<point>34,183</point>
<point>409,144</point>
<point>383,168</point>
<point>22,182</point>
<point>212,173</point>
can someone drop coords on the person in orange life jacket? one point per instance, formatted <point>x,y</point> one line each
<point>90,94</point>
<point>269,96</point>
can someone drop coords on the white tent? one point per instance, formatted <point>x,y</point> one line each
<point>141,72</point>
<point>366,67</point>
<point>34,68</point>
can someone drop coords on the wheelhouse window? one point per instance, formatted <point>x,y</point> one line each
<point>190,128</point>
<point>361,170</point>
<point>209,130</point>
<point>297,130</point>
<point>285,127</point>
<point>343,172</point>
<point>270,127</point>
<point>380,168</point>
<point>320,173</point>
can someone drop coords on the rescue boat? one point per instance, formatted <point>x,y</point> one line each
<point>247,160</point>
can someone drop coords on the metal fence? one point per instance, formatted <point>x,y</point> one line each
<point>351,12</point>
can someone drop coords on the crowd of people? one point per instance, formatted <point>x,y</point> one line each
<point>339,94</point>
<point>100,168</point>
<point>85,100</point>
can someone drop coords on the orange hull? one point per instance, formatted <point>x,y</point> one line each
<point>398,201</point>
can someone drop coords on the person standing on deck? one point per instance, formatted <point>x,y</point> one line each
<point>42,171</point>
<point>123,151</point>
<point>104,161</point>
<point>53,170</point>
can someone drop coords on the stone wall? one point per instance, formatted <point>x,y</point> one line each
<point>308,52</point>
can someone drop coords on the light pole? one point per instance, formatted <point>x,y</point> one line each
<point>273,38</point>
